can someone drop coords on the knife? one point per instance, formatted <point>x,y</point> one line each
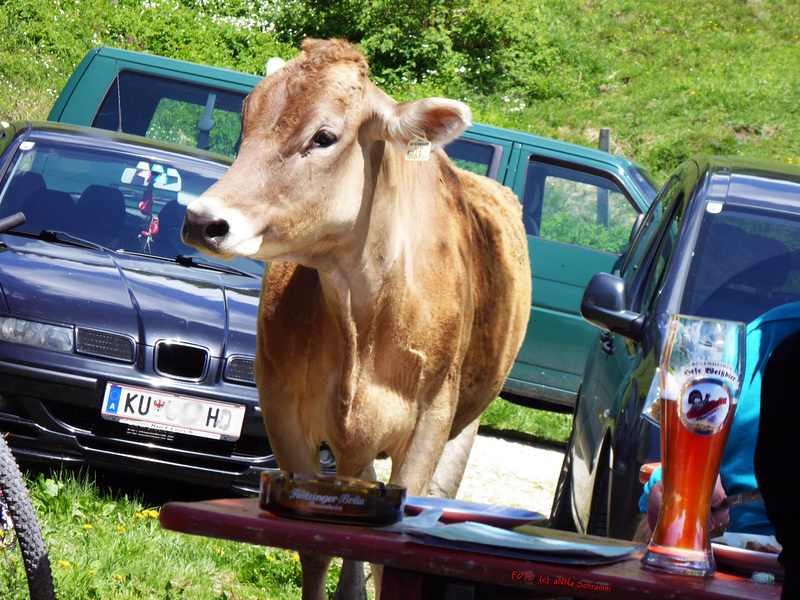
<point>748,497</point>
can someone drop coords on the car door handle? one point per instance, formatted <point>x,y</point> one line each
<point>607,341</point>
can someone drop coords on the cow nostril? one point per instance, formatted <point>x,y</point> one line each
<point>217,228</point>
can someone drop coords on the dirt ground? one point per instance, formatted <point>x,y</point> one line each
<point>506,473</point>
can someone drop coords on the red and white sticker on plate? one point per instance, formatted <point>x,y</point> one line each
<point>169,412</point>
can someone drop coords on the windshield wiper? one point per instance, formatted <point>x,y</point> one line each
<point>48,235</point>
<point>51,235</point>
<point>204,263</point>
<point>8,223</point>
<point>11,221</point>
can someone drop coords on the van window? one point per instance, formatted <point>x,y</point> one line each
<point>173,111</point>
<point>576,207</point>
<point>478,157</point>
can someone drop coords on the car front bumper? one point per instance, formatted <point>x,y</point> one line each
<point>54,416</point>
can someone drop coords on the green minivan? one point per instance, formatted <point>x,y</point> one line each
<point>579,204</point>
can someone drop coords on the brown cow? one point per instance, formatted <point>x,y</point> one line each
<point>397,292</point>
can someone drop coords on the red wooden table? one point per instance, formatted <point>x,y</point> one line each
<point>418,571</point>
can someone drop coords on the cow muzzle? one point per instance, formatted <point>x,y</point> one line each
<point>205,233</point>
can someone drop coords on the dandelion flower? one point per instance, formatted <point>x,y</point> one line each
<point>64,564</point>
<point>296,557</point>
<point>120,528</point>
<point>87,527</point>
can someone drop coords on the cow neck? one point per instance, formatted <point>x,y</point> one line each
<point>393,232</point>
<point>369,276</point>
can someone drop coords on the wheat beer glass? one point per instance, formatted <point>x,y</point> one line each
<point>701,368</point>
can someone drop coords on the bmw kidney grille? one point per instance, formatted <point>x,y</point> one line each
<point>174,359</point>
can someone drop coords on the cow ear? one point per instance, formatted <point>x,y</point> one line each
<point>438,120</point>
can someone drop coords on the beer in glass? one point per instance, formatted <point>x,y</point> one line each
<point>701,368</point>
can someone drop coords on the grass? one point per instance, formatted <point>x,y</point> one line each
<point>107,547</point>
<point>672,79</point>
<point>538,426</point>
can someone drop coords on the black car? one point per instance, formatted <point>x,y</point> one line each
<point>721,240</point>
<point>120,346</point>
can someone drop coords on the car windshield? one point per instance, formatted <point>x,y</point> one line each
<point>123,200</point>
<point>745,263</point>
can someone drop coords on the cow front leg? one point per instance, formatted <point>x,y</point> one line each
<point>295,453</point>
<point>315,574</point>
<point>352,582</point>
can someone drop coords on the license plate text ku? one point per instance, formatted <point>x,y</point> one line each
<point>168,412</point>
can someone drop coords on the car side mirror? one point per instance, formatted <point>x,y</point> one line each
<point>604,306</point>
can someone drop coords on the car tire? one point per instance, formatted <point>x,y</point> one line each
<point>561,513</point>
<point>598,514</point>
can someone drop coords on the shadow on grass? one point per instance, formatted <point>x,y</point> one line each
<point>150,491</point>
<point>522,436</point>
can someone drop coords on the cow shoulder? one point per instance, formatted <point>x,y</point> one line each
<point>492,204</point>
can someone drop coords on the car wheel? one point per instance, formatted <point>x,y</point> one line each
<point>561,513</point>
<point>598,515</point>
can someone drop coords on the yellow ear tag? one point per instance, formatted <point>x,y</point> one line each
<point>418,149</point>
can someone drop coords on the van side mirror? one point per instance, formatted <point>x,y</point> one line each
<point>604,306</point>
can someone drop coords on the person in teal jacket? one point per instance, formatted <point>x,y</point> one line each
<point>737,473</point>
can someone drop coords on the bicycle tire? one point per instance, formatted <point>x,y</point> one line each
<point>27,552</point>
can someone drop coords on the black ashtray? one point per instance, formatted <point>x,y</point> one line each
<point>332,499</point>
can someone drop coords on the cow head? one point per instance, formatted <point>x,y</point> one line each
<point>314,134</point>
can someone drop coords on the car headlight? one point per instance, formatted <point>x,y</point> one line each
<point>40,335</point>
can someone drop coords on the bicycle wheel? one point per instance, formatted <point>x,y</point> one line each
<point>24,565</point>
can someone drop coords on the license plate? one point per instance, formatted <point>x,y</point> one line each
<point>169,412</point>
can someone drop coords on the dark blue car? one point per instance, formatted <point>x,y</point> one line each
<point>119,345</point>
<point>721,240</point>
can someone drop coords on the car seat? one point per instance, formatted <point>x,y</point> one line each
<point>167,242</point>
<point>49,209</point>
<point>740,273</point>
<point>100,215</point>
<point>24,185</point>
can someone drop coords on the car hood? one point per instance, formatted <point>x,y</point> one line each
<point>146,299</point>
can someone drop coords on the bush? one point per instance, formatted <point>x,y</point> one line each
<point>478,46</point>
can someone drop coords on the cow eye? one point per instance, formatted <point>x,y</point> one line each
<point>323,139</point>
